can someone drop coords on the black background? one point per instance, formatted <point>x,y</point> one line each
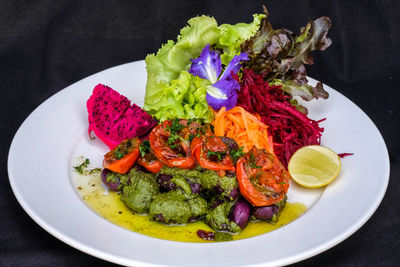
<point>48,45</point>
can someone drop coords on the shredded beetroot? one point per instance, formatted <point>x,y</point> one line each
<point>289,128</point>
<point>342,155</point>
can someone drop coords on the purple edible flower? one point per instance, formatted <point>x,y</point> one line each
<point>223,90</point>
<point>223,94</point>
<point>234,66</point>
<point>207,66</point>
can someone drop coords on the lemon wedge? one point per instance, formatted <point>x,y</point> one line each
<point>314,166</point>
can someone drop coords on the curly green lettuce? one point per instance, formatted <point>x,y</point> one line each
<point>173,92</point>
<point>234,35</point>
<point>183,97</point>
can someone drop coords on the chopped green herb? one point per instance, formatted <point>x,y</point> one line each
<point>201,130</point>
<point>128,143</point>
<point>144,147</point>
<point>253,163</point>
<point>80,168</point>
<point>218,155</point>
<point>236,154</point>
<point>191,137</point>
<point>119,154</point>
<point>175,126</point>
<point>212,128</point>
<point>173,130</point>
<point>172,140</point>
<point>95,170</point>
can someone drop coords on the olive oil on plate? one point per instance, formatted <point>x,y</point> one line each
<point>108,205</point>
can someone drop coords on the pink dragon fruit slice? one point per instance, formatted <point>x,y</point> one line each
<point>113,119</point>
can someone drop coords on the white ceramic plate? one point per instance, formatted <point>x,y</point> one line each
<point>40,173</point>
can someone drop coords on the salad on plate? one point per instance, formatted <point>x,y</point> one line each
<point>223,114</point>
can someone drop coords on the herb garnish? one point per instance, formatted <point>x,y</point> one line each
<point>172,140</point>
<point>236,154</point>
<point>212,128</point>
<point>144,147</point>
<point>83,166</point>
<point>173,129</point>
<point>201,130</point>
<point>253,163</point>
<point>95,170</point>
<point>175,126</point>
<point>128,143</point>
<point>119,154</point>
<point>191,137</point>
<point>218,155</point>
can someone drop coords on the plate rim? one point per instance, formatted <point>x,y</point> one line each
<point>120,260</point>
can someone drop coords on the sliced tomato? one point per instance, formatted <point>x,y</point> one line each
<point>212,153</point>
<point>262,179</point>
<point>123,156</point>
<point>152,165</point>
<point>175,153</point>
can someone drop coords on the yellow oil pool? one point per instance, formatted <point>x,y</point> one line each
<point>108,205</point>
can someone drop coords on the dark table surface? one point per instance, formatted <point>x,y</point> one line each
<point>48,45</point>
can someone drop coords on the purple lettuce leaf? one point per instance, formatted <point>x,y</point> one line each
<point>312,37</point>
<point>281,55</point>
<point>302,90</point>
<point>280,41</point>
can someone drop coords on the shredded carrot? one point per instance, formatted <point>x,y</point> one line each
<point>246,128</point>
